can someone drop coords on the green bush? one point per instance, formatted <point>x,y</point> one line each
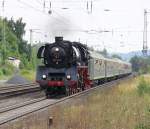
<point>7,71</point>
<point>143,87</point>
<point>1,72</point>
<point>142,126</point>
<point>21,66</point>
<point>25,71</point>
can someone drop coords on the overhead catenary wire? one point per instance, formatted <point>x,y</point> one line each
<point>36,9</point>
<point>56,19</point>
<point>69,1</point>
<point>73,7</point>
<point>66,22</point>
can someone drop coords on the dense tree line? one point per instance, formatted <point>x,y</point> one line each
<point>12,42</point>
<point>107,55</point>
<point>140,64</point>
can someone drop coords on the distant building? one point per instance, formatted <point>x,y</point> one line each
<point>14,61</point>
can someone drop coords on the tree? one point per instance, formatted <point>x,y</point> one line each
<point>16,43</point>
<point>140,64</point>
<point>18,28</point>
<point>116,56</point>
<point>135,61</point>
<point>8,47</point>
<point>103,52</point>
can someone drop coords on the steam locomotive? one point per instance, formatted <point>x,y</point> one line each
<point>70,67</point>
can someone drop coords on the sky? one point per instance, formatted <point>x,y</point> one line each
<point>116,25</point>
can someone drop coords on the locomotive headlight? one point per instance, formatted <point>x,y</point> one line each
<point>44,76</point>
<point>56,49</point>
<point>68,77</point>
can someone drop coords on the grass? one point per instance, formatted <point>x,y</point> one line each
<point>120,107</point>
<point>6,71</point>
<point>28,74</point>
<point>143,87</point>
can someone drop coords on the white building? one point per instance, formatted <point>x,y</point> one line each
<point>14,61</point>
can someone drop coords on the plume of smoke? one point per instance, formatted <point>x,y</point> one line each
<point>59,27</point>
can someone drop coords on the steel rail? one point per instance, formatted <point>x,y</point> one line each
<point>11,107</point>
<point>13,86</point>
<point>21,89</point>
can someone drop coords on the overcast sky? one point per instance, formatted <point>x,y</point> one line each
<point>71,19</point>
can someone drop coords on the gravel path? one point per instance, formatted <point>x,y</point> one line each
<point>18,79</point>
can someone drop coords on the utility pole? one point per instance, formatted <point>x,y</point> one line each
<point>89,6</point>
<point>50,8</point>
<point>4,39</point>
<point>32,50</point>
<point>31,37</point>
<point>44,5</point>
<point>145,47</point>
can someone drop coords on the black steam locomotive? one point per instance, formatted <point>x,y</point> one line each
<point>64,63</point>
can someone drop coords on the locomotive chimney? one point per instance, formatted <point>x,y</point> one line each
<point>58,39</point>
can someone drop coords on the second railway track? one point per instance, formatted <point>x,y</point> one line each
<point>15,106</point>
<point>9,91</point>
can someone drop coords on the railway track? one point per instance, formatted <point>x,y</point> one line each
<point>20,110</point>
<point>9,91</point>
<point>11,107</point>
<point>25,103</point>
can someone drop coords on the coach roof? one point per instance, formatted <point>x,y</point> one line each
<point>96,55</point>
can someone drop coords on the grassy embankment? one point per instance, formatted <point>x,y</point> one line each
<point>28,74</point>
<point>7,71</point>
<point>126,106</point>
